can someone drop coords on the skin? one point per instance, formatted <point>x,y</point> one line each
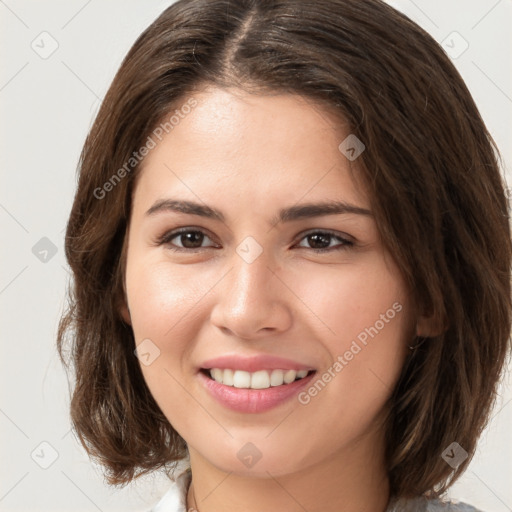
<point>249,156</point>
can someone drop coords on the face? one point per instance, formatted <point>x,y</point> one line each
<point>222,285</point>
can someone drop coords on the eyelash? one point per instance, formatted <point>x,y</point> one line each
<point>167,237</point>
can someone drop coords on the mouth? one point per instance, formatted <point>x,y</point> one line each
<point>261,379</point>
<point>254,392</point>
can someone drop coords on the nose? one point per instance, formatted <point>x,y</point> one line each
<point>251,300</point>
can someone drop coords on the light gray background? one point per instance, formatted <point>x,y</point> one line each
<point>47,106</point>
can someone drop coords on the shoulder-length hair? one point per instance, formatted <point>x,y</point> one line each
<point>432,173</point>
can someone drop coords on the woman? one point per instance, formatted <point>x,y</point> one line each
<point>291,256</point>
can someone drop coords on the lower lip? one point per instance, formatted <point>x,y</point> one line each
<point>253,400</point>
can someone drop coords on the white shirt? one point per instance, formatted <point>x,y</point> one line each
<point>175,500</point>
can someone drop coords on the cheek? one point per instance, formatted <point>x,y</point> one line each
<point>163,298</point>
<point>352,300</point>
<point>163,301</point>
<point>365,323</point>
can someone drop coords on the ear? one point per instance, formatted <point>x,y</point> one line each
<point>122,307</point>
<point>430,326</point>
<point>125,313</point>
<point>122,300</point>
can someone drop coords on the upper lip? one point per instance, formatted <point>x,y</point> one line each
<point>254,363</point>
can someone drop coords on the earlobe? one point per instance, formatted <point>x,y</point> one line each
<point>429,327</point>
<point>124,311</point>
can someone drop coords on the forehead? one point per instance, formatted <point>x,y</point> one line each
<point>252,147</point>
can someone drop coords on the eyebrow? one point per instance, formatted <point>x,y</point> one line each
<point>291,213</point>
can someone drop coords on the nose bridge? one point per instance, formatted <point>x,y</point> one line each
<point>251,274</point>
<point>250,300</point>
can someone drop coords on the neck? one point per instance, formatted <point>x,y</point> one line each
<point>353,479</point>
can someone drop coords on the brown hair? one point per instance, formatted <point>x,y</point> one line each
<point>431,170</point>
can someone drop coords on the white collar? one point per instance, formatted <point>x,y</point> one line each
<point>175,499</point>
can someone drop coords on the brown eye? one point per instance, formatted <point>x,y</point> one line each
<point>191,239</point>
<point>187,239</point>
<point>320,241</point>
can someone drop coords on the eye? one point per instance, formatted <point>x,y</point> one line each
<point>321,241</point>
<point>189,239</point>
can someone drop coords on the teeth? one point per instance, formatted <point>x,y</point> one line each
<point>276,378</point>
<point>289,376</point>
<point>226,377</point>
<point>261,379</point>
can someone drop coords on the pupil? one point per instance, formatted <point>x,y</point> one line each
<point>322,238</point>
<point>194,237</point>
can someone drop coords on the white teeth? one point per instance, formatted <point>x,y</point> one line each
<point>289,376</point>
<point>276,378</point>
<point>216,374</point>
<point>261,379</point>
<point>241,379</point>
<point>226,377</point>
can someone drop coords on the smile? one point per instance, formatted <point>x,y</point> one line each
<point>262,379</point>
<point>241,394</point>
